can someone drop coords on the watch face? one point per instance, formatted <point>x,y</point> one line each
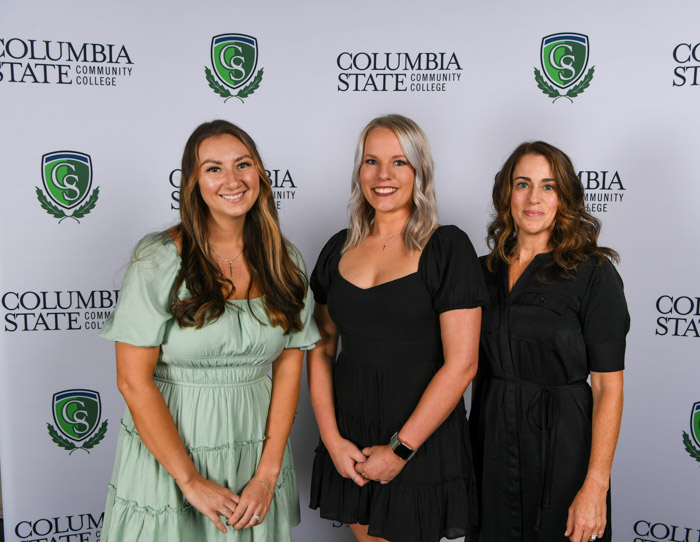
<point>403,451</point>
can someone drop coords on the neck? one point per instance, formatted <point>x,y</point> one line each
<point>226,234</point>
<point>525,250</point>
<point>389,223</point>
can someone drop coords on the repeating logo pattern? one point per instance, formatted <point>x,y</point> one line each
<point>67,180</point>
<point>77,414</point>
<point>564,59</point>
<point>234,58</point>
<point>693,449</point>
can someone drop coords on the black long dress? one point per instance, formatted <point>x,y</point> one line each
<point>391,349</point>
<point>533,405</point>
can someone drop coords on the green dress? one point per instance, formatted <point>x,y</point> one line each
<point>215,382</point>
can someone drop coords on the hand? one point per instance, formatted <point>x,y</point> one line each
<point>382,464</point>
<point>587,514</point>
<point>346,456</point>
<point>210,499</point>
<point>255,501</point>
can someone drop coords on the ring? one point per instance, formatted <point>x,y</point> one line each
<point>364,475</point>
<point>356,475</point>
<point>256,518</point>
<point>594,537</point>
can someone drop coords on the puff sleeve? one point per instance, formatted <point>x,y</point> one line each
<point>605,320</point>
<point>327,267</point>
<point>308,336</point>
<point>142,312</point>
<point>452,272</point>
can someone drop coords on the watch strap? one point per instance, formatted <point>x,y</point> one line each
<point>400,449</point>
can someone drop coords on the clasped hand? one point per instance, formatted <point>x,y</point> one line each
<point>241,511</point>
<point>378,463</point>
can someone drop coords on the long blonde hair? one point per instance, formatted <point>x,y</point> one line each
<point>424,213</point>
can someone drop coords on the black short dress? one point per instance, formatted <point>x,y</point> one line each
<point>532,410</point>
<point>391,349</point>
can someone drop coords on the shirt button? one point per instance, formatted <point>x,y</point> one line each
<point>543,300</point>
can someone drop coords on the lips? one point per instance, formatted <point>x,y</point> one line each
<point>384,190</point>
<point>533,214</point>
<point>233,198</point>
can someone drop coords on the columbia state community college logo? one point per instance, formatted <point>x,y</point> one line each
<point>693,449</point>
<point>564,59</point>
<point>77,414</point>
<point>67,180</point>
<point>234,60</point>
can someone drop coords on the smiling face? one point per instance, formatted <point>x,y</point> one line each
<point>228,179</point>
<point>534,201</point>
<point>386,177</point>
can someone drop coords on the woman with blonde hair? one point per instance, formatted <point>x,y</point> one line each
<point>206,309</point>
<point>403,294</point>
<point>544,437</point>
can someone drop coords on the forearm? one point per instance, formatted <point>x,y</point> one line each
<point>439,399</point>
<point>286,375</point>
<point>607,415</point>
<point>320,374</point>
<point>157,430</point>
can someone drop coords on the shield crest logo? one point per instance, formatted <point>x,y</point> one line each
<point>234,58</point>
<point>77,413</point>
<point>67,177</point>
<point>564,58</point>
<point>695,423</point>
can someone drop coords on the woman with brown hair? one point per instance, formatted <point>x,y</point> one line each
<point>403,294</point>
<point>206,309</point>
<point>544,438</point>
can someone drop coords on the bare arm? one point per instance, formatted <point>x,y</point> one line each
<point>320,373</point>
<point>256,497</point>
<point>155,426</point>
<point>587,514</point>
<point>460,339</point>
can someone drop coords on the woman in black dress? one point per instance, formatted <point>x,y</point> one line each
<point>404,295</point>
<point>545,439</point>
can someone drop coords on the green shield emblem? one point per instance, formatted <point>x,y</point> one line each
<point>695,423</point>
<point>67,177</point>
<point>564,58</point>
<point>77,412</point>
<point>234,58</point>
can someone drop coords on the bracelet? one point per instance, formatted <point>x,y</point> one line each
<point>264,485</point>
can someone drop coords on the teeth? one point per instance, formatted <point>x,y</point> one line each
<point>235,198</point>
<point>385,190</point>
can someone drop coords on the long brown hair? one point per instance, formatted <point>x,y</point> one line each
<point>265,249</point>
<point>575,233</point>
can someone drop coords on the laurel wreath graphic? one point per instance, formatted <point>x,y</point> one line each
<point>66,444</point>
<point>574,91</point>
<point>690,448</point>
<point>59,213</point>
<point>224,92</point>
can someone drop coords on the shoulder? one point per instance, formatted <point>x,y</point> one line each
<point>333,246</point>
<point>156,250</point>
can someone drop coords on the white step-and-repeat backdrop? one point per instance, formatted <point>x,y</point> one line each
<point>109,91</point>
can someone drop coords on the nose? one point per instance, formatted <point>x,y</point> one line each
<point>384,171</point>
<point>231,180</point>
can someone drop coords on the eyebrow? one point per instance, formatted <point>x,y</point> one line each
<point>545,179</point>
<point>370,155</point>
<point>217,162</point>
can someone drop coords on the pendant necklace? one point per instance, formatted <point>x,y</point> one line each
<point>390,237</point>
<point>229,262</point>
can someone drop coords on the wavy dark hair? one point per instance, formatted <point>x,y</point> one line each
<point>271,267</point>
<point>575,234</point>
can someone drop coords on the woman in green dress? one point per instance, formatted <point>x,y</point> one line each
<point>206,309</point>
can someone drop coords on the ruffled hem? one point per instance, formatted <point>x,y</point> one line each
<point>145,503</point>
<point>398,511</point>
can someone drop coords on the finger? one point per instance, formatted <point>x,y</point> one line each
<point>358,456</point>
<point>569,524</point>
<point>255,519</point>
<point>245,520</point>
<point>367,451</point>
<point>238,513</point>
<point>216,520</point>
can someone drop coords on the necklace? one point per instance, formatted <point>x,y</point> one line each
<point>229,262</point>
<point>390,237</point>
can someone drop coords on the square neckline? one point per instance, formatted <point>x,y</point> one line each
<point>420,262</point>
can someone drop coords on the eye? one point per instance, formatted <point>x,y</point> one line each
<point>213,169</point>
<point>521,184</point>
<point>244,165</point>
<point>400,163</point>
<point>549,187</point>
<point>371,162</point>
